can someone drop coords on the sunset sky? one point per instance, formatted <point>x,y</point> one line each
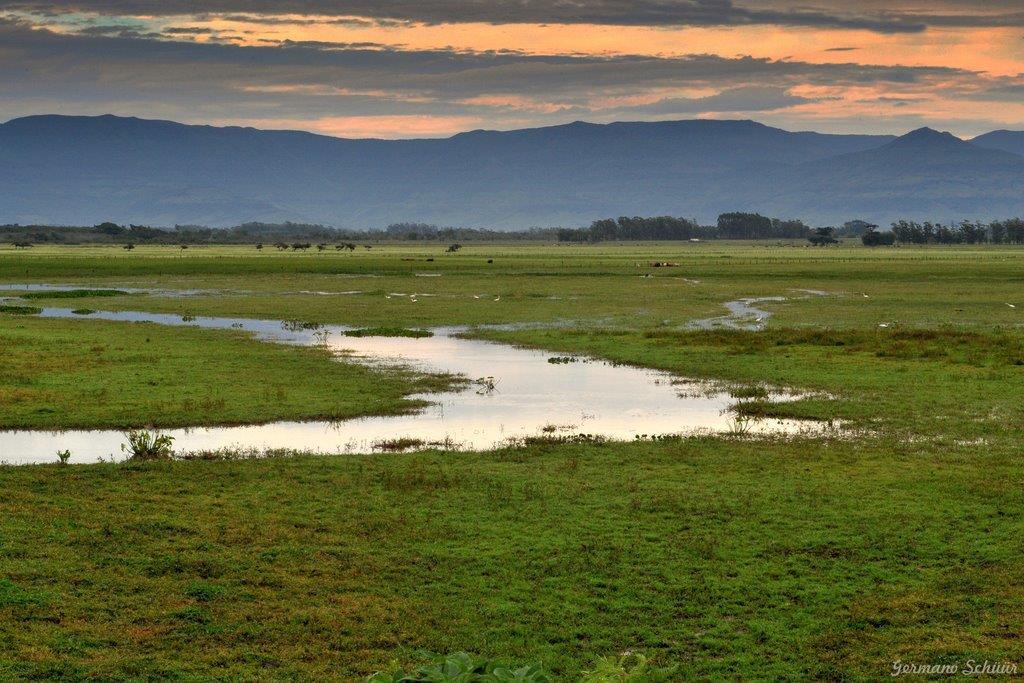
<point>416,68</point>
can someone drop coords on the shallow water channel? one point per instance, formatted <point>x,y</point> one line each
<point>524,395</point>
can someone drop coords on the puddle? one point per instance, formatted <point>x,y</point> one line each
<point>514,393</point>
<point>745,315</point>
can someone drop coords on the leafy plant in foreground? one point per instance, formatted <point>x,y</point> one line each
<point>146,445</point>
<point>64,456</point>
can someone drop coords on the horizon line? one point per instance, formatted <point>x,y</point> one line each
<point>487,130</point>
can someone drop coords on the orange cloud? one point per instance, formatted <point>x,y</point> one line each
<point>369,126</point>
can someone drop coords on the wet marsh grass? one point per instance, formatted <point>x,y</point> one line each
<point>824,558</point>
<point>14,309</point>
<point>389,332</point>
<point>550,283</point>
<point>99,374</point>
<point>737,557</point>
<point>70,294</point>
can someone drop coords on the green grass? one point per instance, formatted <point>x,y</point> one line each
<point>74,373</point>
<point>12,309</point>
<point>766,558</point>
<point>732,559</point>
<point>72,294</point>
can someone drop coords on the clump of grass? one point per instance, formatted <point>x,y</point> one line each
<point>749,392</point>
<point>83,311</point>
<point>388,332</point>
<point>20,310</point>
<point>549,439</point>
<point>235,454</point>
<point>741,425</point>
<point>148,445</point>
<point>64,456</point>
<point>563,360</point>
<point>398,445</point>
<point>486,385</point>
<point>463,667</point>
<point>73,294</point>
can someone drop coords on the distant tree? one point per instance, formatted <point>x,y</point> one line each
<point>873,238</point>
<point>746,226</point>
<point>453,248</point>
<point>109,228</point>
<point>822,237</point>
<point>571,235</point>
<point>855,228</point>
<point>259,246</point>
<point>129,246</point>
<point>753,226</point>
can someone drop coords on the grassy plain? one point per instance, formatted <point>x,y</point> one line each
<point>83,374</point>
<point>764,558</point>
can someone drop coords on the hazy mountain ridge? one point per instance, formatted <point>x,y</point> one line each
<point>78,170</point>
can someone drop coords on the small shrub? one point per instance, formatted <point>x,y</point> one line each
<point>83,311</point>
<point>148,445</point>
<point>64,456</point>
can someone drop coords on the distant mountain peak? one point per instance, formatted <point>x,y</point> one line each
<point>927,136</point>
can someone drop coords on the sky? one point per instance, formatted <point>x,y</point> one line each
<point>430,68</point>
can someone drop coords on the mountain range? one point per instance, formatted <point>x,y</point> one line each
<point>82,170</point>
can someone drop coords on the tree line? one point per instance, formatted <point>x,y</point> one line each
<point>733,225</point>
<point>1009,231</point>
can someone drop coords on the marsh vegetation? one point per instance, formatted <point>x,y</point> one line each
<point>726,556</point>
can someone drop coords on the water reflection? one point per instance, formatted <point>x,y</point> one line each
<point>515,393</point>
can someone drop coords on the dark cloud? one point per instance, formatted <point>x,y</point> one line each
<point>743,99</point>
<point>112,68</point>
<point>884,18</point>
<point>188,31</point>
